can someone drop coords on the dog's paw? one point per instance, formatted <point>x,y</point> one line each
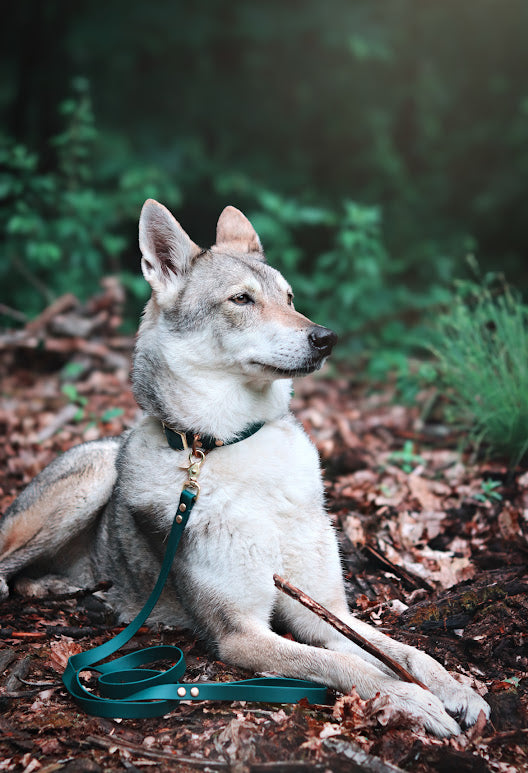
<point>464,703</point>
<point>98,610</point>
<point>427,708</point>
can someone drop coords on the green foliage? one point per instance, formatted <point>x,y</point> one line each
<point>111,413</point>
<point>421,108</point>
<point>481,348</point>
<point>79,401</point>
<point>411,118</point>
<point>488,492</point>
<point>406,459</point>
<point>66,227</point>
<point>337,263</point>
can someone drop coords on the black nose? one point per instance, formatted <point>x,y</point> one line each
<point>322,339</point>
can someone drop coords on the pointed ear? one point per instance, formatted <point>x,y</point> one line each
<point>235,229</point>
<point>166,249</point>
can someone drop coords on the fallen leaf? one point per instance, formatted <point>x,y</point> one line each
<point>61,650</point>
<point>421,490</point>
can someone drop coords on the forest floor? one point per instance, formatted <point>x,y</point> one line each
<point>434,548</point>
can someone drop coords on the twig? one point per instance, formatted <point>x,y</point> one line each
<point>13,313</point>
<point>357,758</point>
<point>141,751</point>
<point>8,633</point>
<point>343,628</point>
<point>64,416</point>
<point>412,580</point>
<point>79,593</point>
<point>505,736</point>
<point>59,306</point>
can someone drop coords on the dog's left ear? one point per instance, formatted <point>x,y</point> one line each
<point>234,229</point>
<point>167,250</point>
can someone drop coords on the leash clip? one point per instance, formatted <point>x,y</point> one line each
<point>193,470</point>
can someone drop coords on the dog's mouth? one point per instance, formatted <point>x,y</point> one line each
<point>303,370</point>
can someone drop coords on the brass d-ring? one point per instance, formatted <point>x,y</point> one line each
<point>194,485</point>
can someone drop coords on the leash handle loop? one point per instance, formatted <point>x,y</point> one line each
<point>129,691</point>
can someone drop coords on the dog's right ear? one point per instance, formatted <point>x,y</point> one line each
<point>166,249</point>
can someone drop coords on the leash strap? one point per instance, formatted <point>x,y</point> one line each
<point>129,691</point>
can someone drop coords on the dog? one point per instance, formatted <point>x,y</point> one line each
<point>218,344</point>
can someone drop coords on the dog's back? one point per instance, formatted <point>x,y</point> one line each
<point>49,527</point>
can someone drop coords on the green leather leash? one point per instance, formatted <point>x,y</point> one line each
<point>129,691</point>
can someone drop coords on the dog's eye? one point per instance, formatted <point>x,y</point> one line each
<point>290,299</point>
<point>241,299</point>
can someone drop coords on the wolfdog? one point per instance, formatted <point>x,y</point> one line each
<point>218,344</point>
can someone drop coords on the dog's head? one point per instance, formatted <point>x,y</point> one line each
<point>226,304</point>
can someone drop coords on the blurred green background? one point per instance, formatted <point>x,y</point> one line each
<point>374,144</point>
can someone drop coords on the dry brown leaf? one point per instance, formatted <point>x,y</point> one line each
<point>61,650</point>
<point>422,490</point>
<point>508,522</point>
<point>353,529</point>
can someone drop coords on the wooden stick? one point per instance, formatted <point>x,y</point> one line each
<point>413,580</point>
<point>139,751</point>
<point>343,628</point>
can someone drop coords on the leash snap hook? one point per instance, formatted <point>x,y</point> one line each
<point>193,470</point>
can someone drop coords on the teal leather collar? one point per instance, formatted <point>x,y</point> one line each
<point>181,441</point>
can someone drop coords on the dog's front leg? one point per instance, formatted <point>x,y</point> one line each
<point>458,699</point>
<point>257,648</point>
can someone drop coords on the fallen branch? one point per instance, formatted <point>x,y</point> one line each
<point>64,416</point>
<point>413,581</point>
<point>343,628</point>
<point>59,306</point>
<point>9,633</point>
<point>137,750</point>
<point>358,759</point>
<point>79,593</point>
<point>19,316</point>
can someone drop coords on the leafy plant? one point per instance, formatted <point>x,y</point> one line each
<point>70,391</point>
<point>337,262</point>
<point>482,357</point>
<point>406,459</point>
<point>65,228</point>
<point>80,402</point>
<point>488,491</point>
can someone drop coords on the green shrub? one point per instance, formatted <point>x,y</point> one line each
<point>481,349</point>
<point>344,277</point>
<point>64,228</point>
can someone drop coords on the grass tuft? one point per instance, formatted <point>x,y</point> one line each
<point>482,354</point>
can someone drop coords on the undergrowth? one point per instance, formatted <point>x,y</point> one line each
<point>63,228</point>
<point>481,351</point>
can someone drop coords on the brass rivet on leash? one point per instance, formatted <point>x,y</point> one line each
<point>195,692</point>
<point>182,508</point>
<point>179,519</point>
<point>181,691</point>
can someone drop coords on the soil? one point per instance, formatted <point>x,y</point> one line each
<point>434,547</point>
